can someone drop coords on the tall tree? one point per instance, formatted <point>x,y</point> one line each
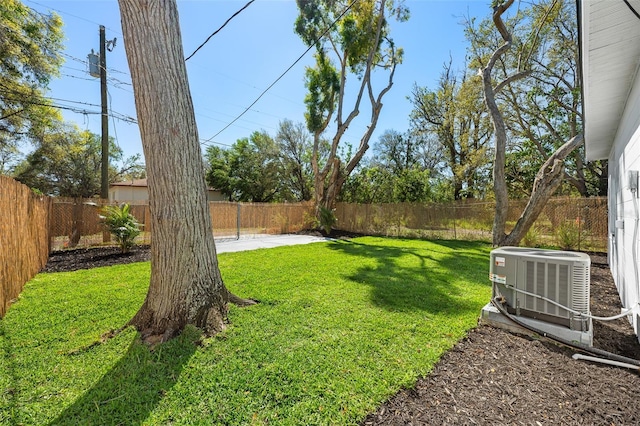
<point>250,171</point>
<point>551,173</point>
<point>544,109</point>
<point>67,163</point>
<point>30,45</point>
<point>455,114</point>
<point>352,40</point>
<point>186,286</point>
<point>403,168</point>
<point>295,147</point>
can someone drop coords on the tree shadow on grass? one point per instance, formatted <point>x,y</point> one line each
<point>437,283</point>
<point>134,386</point>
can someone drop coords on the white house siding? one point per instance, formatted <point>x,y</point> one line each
<point>140,194</point>
<point>129,194</point>
<point>624,205</point>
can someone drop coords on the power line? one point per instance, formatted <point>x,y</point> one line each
<point>207,143</point>
<point>78,77</point>
<point>86,62</point>
<point>48,102</point>
<point>288,69</point>
<point>115,129</point>
<point>70,14</point>
<point>635,12</point>
<point>218,30</point>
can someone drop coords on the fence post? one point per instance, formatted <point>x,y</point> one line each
<point>455,216</point>
<point>238,223</point>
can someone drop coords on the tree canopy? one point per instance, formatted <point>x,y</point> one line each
<point>67,162</point>
<point>352,40</point>
<point>262,168</point>
<point>30,45</point>
<point>455,115</point>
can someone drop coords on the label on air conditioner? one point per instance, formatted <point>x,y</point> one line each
<point>499,261</point>
<point>500,279</point>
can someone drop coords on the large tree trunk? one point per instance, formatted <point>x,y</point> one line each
<point>186,286</point>
<point>499,180</point>
<point>550,175</point>
<point>547,181</point>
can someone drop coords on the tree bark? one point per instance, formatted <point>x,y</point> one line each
<point>186,286</point>
<point>550,175</point>
<point>499,180</point>
<point>547,181</point>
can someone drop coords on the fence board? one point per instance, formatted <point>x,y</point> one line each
<point>466,219</point>
<point>583,221</point>
<point>24,238</point>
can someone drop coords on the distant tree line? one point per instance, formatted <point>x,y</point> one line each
<point>36,146</point>
<point>446,153</point>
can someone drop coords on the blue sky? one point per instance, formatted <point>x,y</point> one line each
<point>236,65</point>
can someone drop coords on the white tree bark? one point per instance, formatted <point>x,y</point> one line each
<point>550,175</point>
<point>186,286</point>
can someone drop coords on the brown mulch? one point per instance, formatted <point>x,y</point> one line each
<point>493,377</point>
<point>93,257</point>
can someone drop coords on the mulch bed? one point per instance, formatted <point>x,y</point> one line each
<point>493,377</point>
<point>93,257</point>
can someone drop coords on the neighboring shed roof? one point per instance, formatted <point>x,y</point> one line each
<point>610,48</point>
<point>141,183</point>
<point>134,182</point>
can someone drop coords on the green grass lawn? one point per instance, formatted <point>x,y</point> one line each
<point>341,326</point>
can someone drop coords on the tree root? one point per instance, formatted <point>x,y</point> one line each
<point>239,301</point>
<point>105,337</point>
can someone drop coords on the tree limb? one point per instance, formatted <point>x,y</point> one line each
<point>511,79</point>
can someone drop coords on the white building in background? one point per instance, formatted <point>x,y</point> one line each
<point>136,192</point>
<point>610,56</point>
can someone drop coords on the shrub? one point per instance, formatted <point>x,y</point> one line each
<point>122,225</point>
<point>570,235</point>
<point>532,237</point>
<point>327,219</point>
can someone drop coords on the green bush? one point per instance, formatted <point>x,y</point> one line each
<point>327,219</point>
<point>570,235</point>
<point>122,225</point>
<point>532,237</point>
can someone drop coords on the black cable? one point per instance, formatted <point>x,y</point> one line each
<point>575,345</point>
<point>287,70</point>
<point>635,12</point>
<point>67,13</point>
<point>117,115</point>
<point>218,30</point>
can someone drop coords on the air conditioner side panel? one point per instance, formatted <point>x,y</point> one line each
<point>503,270</point>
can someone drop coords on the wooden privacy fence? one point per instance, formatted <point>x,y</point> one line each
<point>24,237</point>
<point>76,222</point>
<point>570,223</point>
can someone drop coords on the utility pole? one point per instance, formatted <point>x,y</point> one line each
<point>98,68</point>
<point>104,185</point>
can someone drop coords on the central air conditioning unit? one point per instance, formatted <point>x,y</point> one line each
<point>525,277</point>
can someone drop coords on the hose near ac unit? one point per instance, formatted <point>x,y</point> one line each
<point>623,314</point>
<point>606,361</point>
<point>575,345</point>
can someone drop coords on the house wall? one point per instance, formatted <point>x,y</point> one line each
<point>214,195</point>
<point>624,206</point>
<point>132,194</point>
<point>128,194</point>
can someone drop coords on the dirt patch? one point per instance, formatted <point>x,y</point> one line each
<point>492,376</point>
<point>87,258</point>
